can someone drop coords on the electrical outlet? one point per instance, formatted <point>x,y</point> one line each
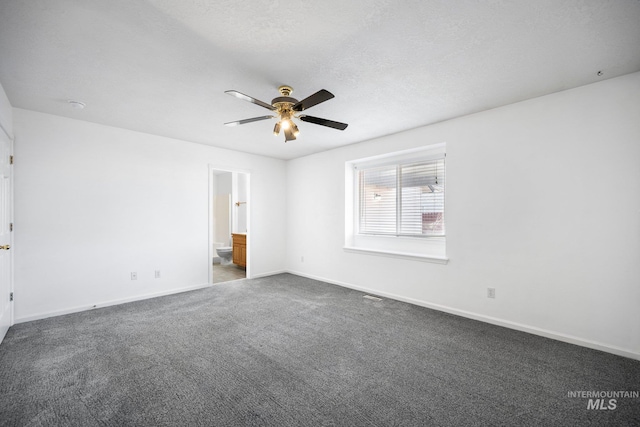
<point>491,292</point>
<point>134,275</point>
<point>157,274</point>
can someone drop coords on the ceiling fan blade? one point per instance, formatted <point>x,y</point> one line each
<point>250,99</point>
<point>288,135</point>
<point>254,119</point>
<point>315,99</point>
<point>324,122</point>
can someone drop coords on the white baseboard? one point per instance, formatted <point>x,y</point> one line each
<point>271,273</point>
<point>487,319</point>
<point>470,315</point>
<point>108,303</point>
<point>125,300</point>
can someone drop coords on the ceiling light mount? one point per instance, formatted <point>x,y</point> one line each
<point>285,90</point>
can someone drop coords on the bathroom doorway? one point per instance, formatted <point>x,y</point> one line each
<point>229,249</point>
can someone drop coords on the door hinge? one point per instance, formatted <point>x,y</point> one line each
<point>10,226</point>
<point>10,160</point>
<point>11,296</point>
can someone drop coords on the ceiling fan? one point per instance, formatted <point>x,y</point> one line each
<point>286,108</point>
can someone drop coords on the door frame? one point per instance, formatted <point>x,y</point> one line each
<point>211,190</point>
<point>10,139</point>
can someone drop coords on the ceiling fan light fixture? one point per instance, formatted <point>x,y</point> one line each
<point>285,107</point>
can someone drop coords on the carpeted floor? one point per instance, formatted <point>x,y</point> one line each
<point>289,351</point>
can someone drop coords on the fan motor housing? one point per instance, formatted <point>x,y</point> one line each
<point>284,101</point>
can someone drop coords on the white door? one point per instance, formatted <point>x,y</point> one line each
<point>5,234</point>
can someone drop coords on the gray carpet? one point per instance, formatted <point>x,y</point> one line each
<point>289,351</point>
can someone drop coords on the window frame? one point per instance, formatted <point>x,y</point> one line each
<point>411,247</point>
<point>399,166</point>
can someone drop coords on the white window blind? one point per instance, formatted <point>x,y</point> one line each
<point>402,199</point>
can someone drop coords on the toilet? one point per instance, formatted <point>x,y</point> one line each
<point>225,253</point>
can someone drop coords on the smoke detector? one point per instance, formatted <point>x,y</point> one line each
<point>77,104</point>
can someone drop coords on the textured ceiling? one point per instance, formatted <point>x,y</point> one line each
<point>162,66</point>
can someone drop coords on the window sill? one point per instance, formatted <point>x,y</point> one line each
<point>402,255</point>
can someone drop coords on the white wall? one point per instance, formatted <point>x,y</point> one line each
<point>6,114</point>
<point>94,203</point>
<point>543,204</point>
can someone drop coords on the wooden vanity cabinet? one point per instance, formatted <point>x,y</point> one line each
<point>239,249</point>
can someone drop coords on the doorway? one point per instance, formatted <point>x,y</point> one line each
<point>229,249</point>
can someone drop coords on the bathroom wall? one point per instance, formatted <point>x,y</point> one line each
<point>222,205</point>
<point>243,196</point>
<point>224,183</point>
<point>222,209</point>
<point>214,221</point>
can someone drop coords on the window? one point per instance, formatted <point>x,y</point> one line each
<point>405,199</point>
<point>395,205</point>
